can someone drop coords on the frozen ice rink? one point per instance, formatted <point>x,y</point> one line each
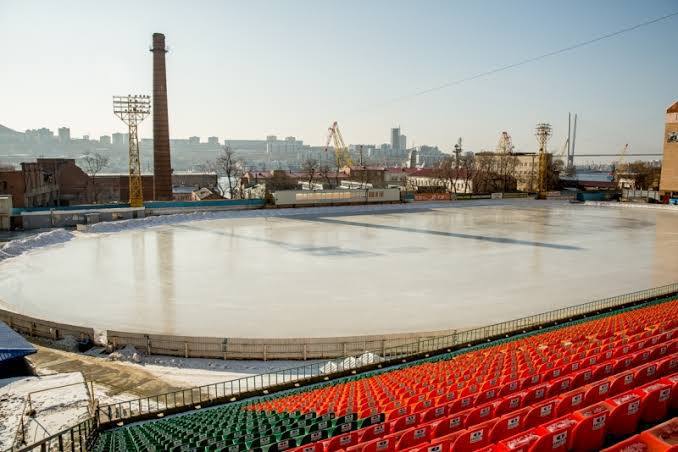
<point>332,274</point>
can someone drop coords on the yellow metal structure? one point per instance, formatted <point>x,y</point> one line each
<point>341,154</point>
<point>132,110</point>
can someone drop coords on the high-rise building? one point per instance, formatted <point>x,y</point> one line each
<point>105,140</point>
<point>395,139</point>
<point>64,134</point>
<point>193,140</point>
<point>162,165</point>
<point>213,141</point>
<point>668,183</point>
<point>120,139</point>
<point>403,142</point>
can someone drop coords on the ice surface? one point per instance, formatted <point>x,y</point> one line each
<point>345,271</point>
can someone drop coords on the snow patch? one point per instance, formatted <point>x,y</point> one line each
<point>632,205</point>
<point>129,353</point>
<point>20,246</point>
<point>68,343</point>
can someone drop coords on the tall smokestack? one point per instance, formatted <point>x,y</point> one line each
<point>162,166</point>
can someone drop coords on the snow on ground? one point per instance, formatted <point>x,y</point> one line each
<point>56,409</point>
<point>20,246</point>
<point>61,403</point>
<point>632,205</point>
<point>189,372</point>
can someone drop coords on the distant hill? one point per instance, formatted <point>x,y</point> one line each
<point>7,131</point>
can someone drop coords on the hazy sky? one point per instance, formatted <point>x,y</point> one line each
<point>246,69</point>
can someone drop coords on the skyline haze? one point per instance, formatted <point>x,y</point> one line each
<point>250,70</point>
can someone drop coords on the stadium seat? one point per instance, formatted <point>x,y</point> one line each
<point>554,435</point>
<point>655,400</point>
<point>589,433</point>
<point>624,414</point>
<point>509,424</point>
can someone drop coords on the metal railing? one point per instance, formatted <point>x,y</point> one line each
<point>80,437</point>
<point>231,390</point>
<point>84,433</point>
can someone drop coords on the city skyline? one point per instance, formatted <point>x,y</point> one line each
<point>232,81</point>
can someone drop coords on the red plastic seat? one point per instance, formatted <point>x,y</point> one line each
<point>554,435</point>
<point>443,444</point>
<point>646,373</point>
<point>435,412</point>
<point>622,382</point>
<point>597,391</point>
<point>582,377</point>
<point>461,404</point>
<point>559,385</point>
<point>375,431</point>
<point>377,445</point>
<point>404,422</point>
<point>602,370</point>
<point>655,400</point>
<point>509,403</point>
<point>520,442</point>
<point>414,436</point>
<point>450,424</point>
<point>624,414</point>
<point>667,365</point>
<point>509,424</point>
<point>534,394</point>
<point>474,437</point>
<point>341,441</point>
<point>589,433</point>
<point>541,412</point>
<point>570,401</point>
<point>480,413</point>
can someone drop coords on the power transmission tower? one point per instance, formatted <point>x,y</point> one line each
<point>132,110</point>
<point>543,133</point>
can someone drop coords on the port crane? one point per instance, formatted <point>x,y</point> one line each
<point>617,164</point>
<point>341,155</point>
<point>334,135</point>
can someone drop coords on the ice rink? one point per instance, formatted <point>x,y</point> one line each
<point>334,273</point>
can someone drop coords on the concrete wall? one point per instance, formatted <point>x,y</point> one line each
<point>70,218</point>
<point>262,348</point>
<point>32,327</point>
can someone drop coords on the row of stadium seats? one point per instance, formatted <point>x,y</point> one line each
<point>534,385</point>
<point>582,430</point>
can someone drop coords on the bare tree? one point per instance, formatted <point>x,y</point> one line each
<point>468,165</point>
<point>324,173</point>
<point>448,173</point>
<point>310,167</point>
<point>94,163</point>
<point>505,164</point>
<point>230,168</point>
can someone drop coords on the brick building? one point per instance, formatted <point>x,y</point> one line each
<point>668,183</point>
<point>28,186</point>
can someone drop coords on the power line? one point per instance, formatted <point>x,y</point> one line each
<point>526,61</point>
